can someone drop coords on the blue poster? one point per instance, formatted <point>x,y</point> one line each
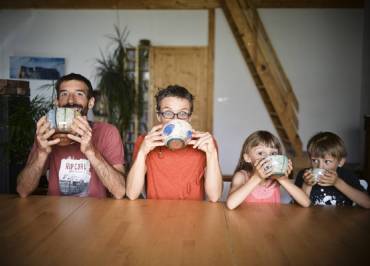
<point>25,67</point>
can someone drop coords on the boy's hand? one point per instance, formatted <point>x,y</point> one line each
<point>309,178</point>
<point>152,140</point>
<point>263,168</point>
<point>329,178</point>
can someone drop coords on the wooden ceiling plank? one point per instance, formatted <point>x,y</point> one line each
<point>172,4</point>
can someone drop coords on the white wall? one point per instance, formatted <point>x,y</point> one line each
<point>78,35</point>
<point>319,49</point>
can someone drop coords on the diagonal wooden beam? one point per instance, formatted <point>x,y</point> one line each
<point>266,70</point>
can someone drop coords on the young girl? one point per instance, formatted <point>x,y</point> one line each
<point>253,180</point>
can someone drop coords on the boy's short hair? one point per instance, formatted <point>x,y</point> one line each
<point>74,76</point>
<point>326,143</point>
<point>174,91</point>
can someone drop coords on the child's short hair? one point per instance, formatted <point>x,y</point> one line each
<point>326,143</point>
<point>253,140</point>
<point>174,91</point>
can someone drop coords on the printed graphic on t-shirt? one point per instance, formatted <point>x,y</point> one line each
<point>74,177</point>
<point>327,196</point>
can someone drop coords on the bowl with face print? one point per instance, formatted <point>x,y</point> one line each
<point>61,118</point>
<point>279,164</point>
<point>177,134</point>
<point>317,173</point>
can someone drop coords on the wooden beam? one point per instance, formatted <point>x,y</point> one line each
<point>309,3</point>
<point>110,4</point>
<point>210,65</point>
<point>267,72</point>
<point>172,4</point>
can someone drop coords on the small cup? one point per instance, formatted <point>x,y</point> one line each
<point>279,164</point>
<point>177,134</point>
<point>317,172</point>
<point>61,119</point>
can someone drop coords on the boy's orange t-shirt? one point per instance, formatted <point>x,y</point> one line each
<point>174,174</point>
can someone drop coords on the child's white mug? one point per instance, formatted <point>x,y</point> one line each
<point>279,164</point>
<point>317,172</point>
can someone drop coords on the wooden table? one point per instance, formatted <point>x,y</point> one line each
<point>42,230</point>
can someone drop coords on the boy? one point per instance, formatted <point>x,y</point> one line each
<point>189,173</point>
<point>337,186</point>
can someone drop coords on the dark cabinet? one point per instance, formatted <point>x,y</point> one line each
<point>367,151</point>
<point>10,101</point>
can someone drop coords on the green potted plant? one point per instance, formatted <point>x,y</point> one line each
<point>115,84</point>
<point>22,127</point>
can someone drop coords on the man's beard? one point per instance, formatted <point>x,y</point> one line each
<point>79,107</point>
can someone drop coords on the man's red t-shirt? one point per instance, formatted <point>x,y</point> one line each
<point>70,173</point>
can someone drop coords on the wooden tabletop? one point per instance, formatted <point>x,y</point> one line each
<point>44,230</point>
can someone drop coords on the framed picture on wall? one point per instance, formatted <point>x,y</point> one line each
<point>26,67</point>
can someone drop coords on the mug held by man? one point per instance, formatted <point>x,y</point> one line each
<point>61,119</point>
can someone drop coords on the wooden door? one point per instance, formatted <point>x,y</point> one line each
<point>187,67</point>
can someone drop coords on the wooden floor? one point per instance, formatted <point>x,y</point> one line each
<point>43,230</point>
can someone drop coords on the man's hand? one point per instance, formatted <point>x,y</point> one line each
<point>43,133</point>
<point>152,140</point>
<point>81,127</point>
<point>203,141</point>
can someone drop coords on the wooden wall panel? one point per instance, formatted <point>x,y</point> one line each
<point>184,66</point>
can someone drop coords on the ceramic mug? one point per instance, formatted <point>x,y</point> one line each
<point>279,164</point>
<point>317,172</point>
<point>61,119</point>
<point>177,134</point>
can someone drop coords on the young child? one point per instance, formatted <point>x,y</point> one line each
<point>253,180</point>
<point>337,186</point>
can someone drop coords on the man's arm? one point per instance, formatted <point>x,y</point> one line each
<point>213,178</point>
<point>29,177</point>
<point>111,176</point>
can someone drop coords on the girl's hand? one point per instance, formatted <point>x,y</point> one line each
<point>263,168</point>
<point>329,178</point>
<point>152,140</point>
<point>309,178</point>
